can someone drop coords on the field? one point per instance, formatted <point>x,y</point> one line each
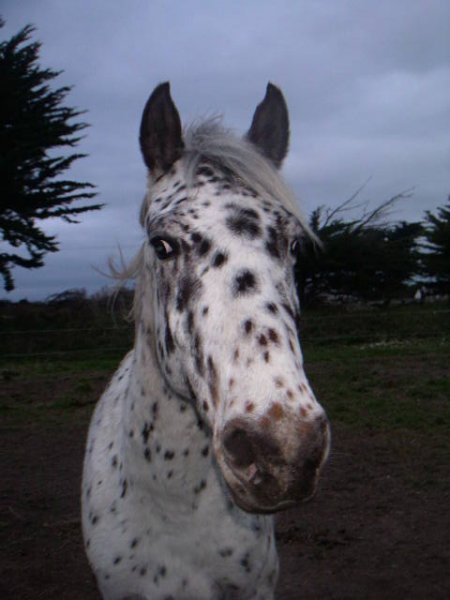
<point>379,527</point>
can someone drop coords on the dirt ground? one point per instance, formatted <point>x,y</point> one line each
<point>379,527</point>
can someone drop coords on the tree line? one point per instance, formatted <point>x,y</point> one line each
<point>368,258</point>
<point>365,258</point>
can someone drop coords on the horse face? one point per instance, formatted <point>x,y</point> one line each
<point>225,311</point>
<point>225,315</point>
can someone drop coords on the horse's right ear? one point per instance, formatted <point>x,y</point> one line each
<point>269,131</point>
<point>160,134</point>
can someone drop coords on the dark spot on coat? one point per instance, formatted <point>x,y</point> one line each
<point>212,380</point>
<point>200,487</point>
<point>289,311</point>
<point>190,322</point>
<point>170,346</point>
<point>187,289</point>
<point>219,259</point>
<point>124,488</point>
<point>262,340</point>
<point>245,563</point>
<point>244,283</point>
<point>243,225</point>
<point>272,245</point>
<point>273,336</point>
<point>276,411</point>
<point>198,356</point>
<point>248,326</point>
<point>146,430</point>
<point>278,382</point>
<point>250,212</point>
<point>204,247</point>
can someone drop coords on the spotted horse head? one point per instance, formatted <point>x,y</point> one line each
<point>222,237</point>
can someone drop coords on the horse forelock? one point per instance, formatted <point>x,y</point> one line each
<point>208,141</point>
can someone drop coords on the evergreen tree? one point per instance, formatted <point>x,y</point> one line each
<point>363,258</point>
<point>34,126</point>
<point>436,259</point>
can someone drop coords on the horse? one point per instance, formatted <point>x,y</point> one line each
<point>209,426</point>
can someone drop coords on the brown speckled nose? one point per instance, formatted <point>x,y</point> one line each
<point>273,473</point>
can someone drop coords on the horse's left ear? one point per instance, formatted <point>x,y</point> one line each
<point>270,126</point>
<point>160,134</point>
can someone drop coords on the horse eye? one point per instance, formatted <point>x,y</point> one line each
<point>163,248</point>
<point>294,247</point>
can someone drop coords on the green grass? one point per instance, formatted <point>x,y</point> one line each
<point>384,388</point>
<point>38,367</point>
<point>377,370</point>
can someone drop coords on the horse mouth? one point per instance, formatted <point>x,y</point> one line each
<point>247,499</point>
<point>256,508</point>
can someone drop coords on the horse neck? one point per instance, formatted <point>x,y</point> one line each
<point>164,425</point>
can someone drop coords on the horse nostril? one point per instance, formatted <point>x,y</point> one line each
<point>259,477</point>
<point>239,448</point>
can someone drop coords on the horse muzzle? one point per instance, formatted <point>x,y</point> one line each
<point>269,471</point>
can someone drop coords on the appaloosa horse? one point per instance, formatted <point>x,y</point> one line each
<point>209,425</point>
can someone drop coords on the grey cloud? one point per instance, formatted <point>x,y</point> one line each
<point>367,86</point>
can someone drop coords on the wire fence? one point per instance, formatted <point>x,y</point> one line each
<point>62,330</point>
<point>65,343</point>
<point>316,328</point>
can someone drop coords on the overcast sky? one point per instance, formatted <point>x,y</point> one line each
<point>367,84</point>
